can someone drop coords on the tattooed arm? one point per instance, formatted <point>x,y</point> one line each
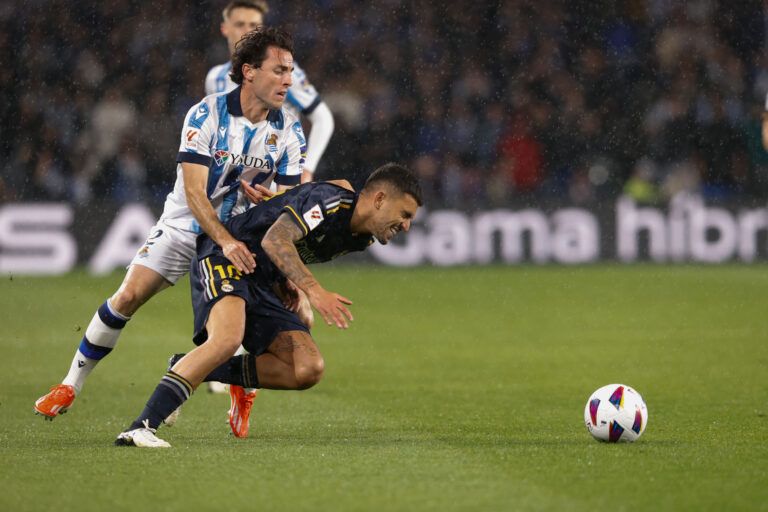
<point>278,243</point>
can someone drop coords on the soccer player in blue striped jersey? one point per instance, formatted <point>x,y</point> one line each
<point>312,223</point>
<point>242,16</point>
<point>233,145</point>
<point>239,17</point>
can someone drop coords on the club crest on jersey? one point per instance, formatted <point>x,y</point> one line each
<point>271,143</point>
<point>220,157</point>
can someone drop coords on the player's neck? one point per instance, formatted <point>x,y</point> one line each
<point>254,109</point>
<point>358,224</point>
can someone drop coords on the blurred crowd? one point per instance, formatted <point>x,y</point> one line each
<point>491,103</point>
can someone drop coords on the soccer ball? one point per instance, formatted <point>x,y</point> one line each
<point>616,413</point>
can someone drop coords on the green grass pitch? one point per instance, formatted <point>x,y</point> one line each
<point>454,389</point>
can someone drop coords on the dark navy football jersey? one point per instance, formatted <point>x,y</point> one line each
<point>322,210</point>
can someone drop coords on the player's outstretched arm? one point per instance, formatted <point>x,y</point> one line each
<point>278,243</point>
<point>322,129</point>
<point>195,182</point>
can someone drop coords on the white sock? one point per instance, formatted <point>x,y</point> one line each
<point>99,340</point>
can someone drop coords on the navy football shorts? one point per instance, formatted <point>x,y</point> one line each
<point>215,277</point>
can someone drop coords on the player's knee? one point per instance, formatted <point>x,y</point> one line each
<point>128,299</point>
<point>225,345</point>
<point>308,374</point>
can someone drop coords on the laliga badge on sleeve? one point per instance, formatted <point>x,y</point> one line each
<point>191,139</point>
<point>313,217</point>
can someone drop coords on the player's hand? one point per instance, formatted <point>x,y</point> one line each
<point>307,175</point>
<point>331,307</point>
<point>239,255</point>
<point>296,300</point>
<point>304,311</point>
<point>256,193</point>
<point>289,295</point>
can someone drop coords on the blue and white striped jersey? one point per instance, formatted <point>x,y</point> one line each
<point>302,96</point>
<point>217,135</point>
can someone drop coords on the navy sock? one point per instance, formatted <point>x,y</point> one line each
<point>239,370</point>
<point>172,391</point>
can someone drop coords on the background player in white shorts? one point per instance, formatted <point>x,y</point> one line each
<point>242,16</point>
<point>232,146</point>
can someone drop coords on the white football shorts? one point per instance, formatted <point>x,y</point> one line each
<point>168,251</point>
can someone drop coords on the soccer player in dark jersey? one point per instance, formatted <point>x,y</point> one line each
<point>312,223</point>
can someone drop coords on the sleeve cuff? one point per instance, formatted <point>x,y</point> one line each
<point>295,218</point>
<point>311,107</point>
<point>288,181</point>
<point>194,158</point>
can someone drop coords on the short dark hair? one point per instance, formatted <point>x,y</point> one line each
<point>399,178</point>
<point>252,49</point>
<point>258,5</point>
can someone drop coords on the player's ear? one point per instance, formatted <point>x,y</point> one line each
<point>248,72</point>
<point>379,198</point>
<point>224,29</point>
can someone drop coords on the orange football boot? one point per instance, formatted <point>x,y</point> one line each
<point>56,402</point>
<point>240,409</point>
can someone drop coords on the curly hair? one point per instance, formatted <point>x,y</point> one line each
<point>252,49</point>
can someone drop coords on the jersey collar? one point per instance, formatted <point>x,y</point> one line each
<point>236,109</point>
<point>233,102</point>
